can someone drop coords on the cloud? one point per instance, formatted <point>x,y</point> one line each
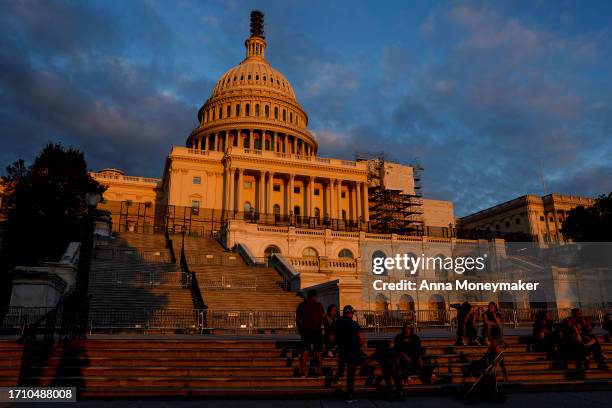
<point>478,95</point>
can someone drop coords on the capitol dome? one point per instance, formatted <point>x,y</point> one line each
<point>250,103</point>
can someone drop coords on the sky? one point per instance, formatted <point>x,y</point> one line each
<point>487,97</point>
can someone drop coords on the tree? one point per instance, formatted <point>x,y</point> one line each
<point>590,224</point>
<point>46,204</point>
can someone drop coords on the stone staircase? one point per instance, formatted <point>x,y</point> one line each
<point>134,284</point>
<point>227,283</point>
<point>189,367</point>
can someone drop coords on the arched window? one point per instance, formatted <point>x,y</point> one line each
<point>276,112</point>
<point>256,109</point>
<point>267,111</point>
<point>214,111</point>
<point>237,110</point>
<point>271,250</point>
<point>345,253</point>
<point>247,109</point>
<point>406,303</point>
<point>310,252</point>
<point>382,303</point>
<point>290,117</point>
<point>284,115</point>
<point>438,266</point>
<point>276,209</point>
<point>220,112</point>
<point>378,264</point>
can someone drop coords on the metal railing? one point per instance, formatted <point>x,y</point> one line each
<point>14,319</point>
<point>254,321</point>
<point>133,278</point>
<point>126,254</point>
<point>227,283</point>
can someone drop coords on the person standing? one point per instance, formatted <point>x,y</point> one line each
<point>332,316</point>
<point>349,340</point>
<point>309,317</point>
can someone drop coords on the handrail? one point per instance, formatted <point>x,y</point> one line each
<point>247,255</point>
<point>287,272</point>
<point>191,279</point>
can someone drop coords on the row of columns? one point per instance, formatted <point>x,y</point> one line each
<point>279,142</point>
<point>331,195</point>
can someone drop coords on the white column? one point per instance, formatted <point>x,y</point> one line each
<point>262,187</point>
<point>231,189</point>
<point>290,193</point>
<point>339,198</point>
<point>358,186</point>
<point>270,192</point>
<point>240,204</point>
<point>366,205</point>
<point>311,196</point>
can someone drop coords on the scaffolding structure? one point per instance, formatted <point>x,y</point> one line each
<point>392,210</point>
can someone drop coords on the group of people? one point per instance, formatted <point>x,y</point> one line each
<point>572,340</point>
<point>342,336</point>
<point>467,325</point>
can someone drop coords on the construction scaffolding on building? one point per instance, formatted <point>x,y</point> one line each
<point>392,210</point>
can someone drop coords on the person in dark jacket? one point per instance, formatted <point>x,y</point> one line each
<point>349,340</point>
<point>543,335</point>
<point>410,350</point>
<point>309,317</point>
<point>332,316</point>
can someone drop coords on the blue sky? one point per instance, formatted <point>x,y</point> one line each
<point>479,93</point>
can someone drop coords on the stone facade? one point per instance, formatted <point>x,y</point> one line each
<point>538,217</point>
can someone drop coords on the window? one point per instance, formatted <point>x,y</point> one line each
<point>267,111</point>
<point>229,111</point>
<point>237,110</point>
<point>296,190</point>
<point>377,255</point>
<point>296,210</point>
<point>507,224</point>
<point>541,218</point>
<point>276,112</point>
<point>317,191</point>
<point>276,187</point>
<point>310,252</point>
<point>220,113</point>
<point>345,253</point>
<point>195,207</point>
<point>197,180</point>
<point>247,109</point>
<point>284,115</point>
<point>291,117</point>
<point>256,109</point>
<point>518,221</point>
<point>343,194</point>
<point>248,185</point>
<point>257,77</point>
<point>249,78</point>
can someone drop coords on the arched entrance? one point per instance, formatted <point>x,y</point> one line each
<point>506,300</point>
<point>271,250</point>
<point>437,306</point>
<point>406,303</point>
<point>382,303</point>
